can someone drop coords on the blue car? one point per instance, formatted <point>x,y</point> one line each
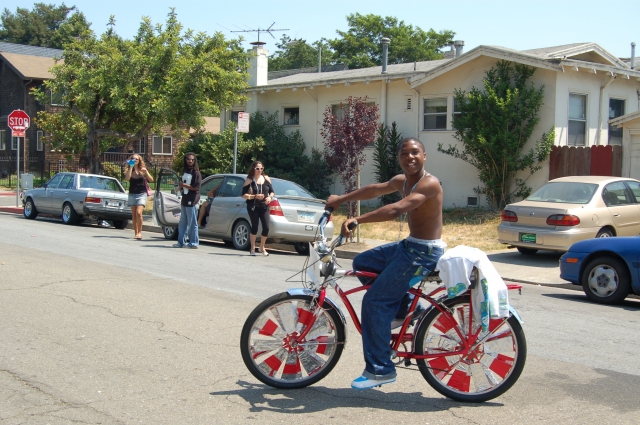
<point>607,268</point>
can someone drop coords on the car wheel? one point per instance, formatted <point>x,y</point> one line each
<point>241,232</point>
<point>526,251</point>
<point>302,248</point>
<point>120,224</point>
<point>69,215</point>
<point>605,233</point>
<point>30,210</point>
<point>170,233</point>
<point>606,280</point>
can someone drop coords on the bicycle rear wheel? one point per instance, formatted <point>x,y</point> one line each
<point>270,347</point>
<point>490,367</point>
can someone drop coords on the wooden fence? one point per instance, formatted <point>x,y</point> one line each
<point>585,161</point>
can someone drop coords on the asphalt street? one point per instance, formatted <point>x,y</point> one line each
<point>99,328</point>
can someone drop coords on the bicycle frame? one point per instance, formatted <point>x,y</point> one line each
<point>402,337</point>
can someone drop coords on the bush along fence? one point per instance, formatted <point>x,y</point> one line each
<point>42,170</point>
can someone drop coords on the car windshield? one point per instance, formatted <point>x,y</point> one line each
<point>566,192</point>
<point>100,183</point>
<point>287,188</point>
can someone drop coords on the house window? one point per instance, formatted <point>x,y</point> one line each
<point>56,99</point>
<point>3,140</point>
<point>39,140</point>
<point>456,113</point>
<point>577,119</point>
<point>14,143</point>
<point>291,116</point>
<point>162,145</point>
<point>142,145</point>
<point>616,109</point>
<point>435,114</point>
<point>338,111</point>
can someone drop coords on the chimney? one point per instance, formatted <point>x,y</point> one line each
<point>633,55</point>
<point>385,53</point>
<point>459,44</point>
<point>259,66</point>
<point>451,53</point>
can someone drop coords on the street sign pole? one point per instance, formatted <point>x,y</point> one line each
<point>18,122</point>
<point>235,149</point>
<point>243,127</point>
<point>17,171</point>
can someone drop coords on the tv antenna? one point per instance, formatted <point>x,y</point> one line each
<point>259,30</point>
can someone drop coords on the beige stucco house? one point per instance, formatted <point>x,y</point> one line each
<point>629,126</point>
<point>585,87</point>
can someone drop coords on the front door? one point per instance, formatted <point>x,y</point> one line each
<point>44,203</point>
<point>166,203</point>
<point>226,206</point>
<point>59,194</point>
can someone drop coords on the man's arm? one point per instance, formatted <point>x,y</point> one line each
<point>368,192</point>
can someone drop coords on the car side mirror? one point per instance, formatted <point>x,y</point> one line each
<point>44,185</point>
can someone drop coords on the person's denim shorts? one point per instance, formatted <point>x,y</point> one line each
<point>136,199</point>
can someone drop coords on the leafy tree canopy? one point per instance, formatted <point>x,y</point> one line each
<point>494,126</point>
<point>45,26</point>
<point>294,54</point>
<point>360,46</point>
<point>120,90</point>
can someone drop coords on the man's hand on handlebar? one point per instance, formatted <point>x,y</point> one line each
<point>348,226</point>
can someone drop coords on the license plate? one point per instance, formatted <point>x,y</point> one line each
<point>528,237</point>
<point>306,216</point>
<point>113,204</point>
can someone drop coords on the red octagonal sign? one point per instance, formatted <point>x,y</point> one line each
<point>18,122</point>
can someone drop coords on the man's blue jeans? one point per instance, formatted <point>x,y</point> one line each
<point>188,226</point>
<point>399,266</point>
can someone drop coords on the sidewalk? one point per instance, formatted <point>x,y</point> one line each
<point>540,269</point>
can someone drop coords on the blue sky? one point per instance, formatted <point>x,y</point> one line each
<point>516,24</point>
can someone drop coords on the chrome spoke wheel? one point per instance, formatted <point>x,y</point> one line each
<point>486,370</point>
<point>273,350</point>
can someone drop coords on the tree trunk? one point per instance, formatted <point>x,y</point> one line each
<point>93,152</point>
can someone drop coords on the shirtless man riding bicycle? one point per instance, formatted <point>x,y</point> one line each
<point>399,265</point>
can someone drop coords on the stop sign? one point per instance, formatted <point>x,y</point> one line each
<point>18,122</point>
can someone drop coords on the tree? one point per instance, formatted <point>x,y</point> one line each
<point>284,156</point>
<point>346,134</point>
<point>45,26</point>
<point>360,46</point>
<point>215,152</point>
<point>494,126</point>
<point>385,158</point>
<point>294,54</point>
<point>119,90</point>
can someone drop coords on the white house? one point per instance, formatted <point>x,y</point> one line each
<point>584,87</point>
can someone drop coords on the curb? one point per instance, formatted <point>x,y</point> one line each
<point>12,210</point>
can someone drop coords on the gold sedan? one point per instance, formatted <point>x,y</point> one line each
<point>571,209</point>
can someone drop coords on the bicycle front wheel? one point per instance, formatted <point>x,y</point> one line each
<point>492,365</point>
<point>271,348</point>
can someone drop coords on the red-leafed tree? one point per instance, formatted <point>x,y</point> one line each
<point>347,129</point>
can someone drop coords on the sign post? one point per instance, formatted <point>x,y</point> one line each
<point>18,122</point>
<point>243,127</point>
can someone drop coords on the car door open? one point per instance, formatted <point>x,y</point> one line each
<point>166,204</point>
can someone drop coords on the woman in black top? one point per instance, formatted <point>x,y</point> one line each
<point>138,177</point>
<point>258,192</point>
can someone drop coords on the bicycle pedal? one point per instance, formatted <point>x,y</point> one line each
<point>407,362</point>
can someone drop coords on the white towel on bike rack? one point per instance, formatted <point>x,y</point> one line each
<point>490,293</point>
